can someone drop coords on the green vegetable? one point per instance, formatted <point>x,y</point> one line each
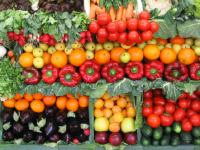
<point>155,142</point>
<point>146,130</point>
<point>167,129</point>
<point>185,137</point>
<point>195,131</point>
<point>157,132</point>
<point>175,140</point>
<point>176,126</point>
<point>194,8</point>
<point>145,141</point>
<point>165,139</point>
<point>196,141</point>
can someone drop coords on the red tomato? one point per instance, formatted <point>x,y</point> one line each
<point>193,96</point>
<point>197,92</point>
<point>170,108</point>
<point>144,15</point>
<point>184,120</point>
<point>121,25</point>
<point>189,103</point>
<point>112,27</point>
<point>113,36</point>
<point>190,112</point>
<point>102,33</point>
<point>158,110</point>
<point>183,103</point>
<point>157,92</point>
<point>122,37</point>
<point>195,105</point>
<point>148,102</point>
<point>144,25</point>
<point>132,24</point>
<point>171,101</point>
<point>195,120</point>
<point>176,105</point>
<point>133,36</point>
<point>94,26</point>
<point>166,120</point>
<point>101,40</point>
<point>139,41</point>
<point>103,19</point>
<point>159,101</point>
<point>187,126</point>
<point>128,43</point>
<point>154,26</point>
<point>153,121</point>
<point>147,35</point>
<point>184,95</point>
<point>179,114</point>
<point>146,111</point>
<point>148,94</point>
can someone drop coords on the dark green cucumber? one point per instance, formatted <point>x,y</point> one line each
<point>165,139</point>
<point>176,127</point>
<point>145,141</point>
<point>196,131</point>
<point>157,132</point>
<point>155,142</point>
<point>146,130</point>
<point>167,129</point>
<point>175,140</point>
<point>196,141</point>
<point>185,137</point>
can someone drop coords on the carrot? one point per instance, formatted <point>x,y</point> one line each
<point>12,59</point>
<point>112,14</point>
<point>99,10</point>
<point>129,11</point>
<point>92,10</point>
<point>98,1</point>
<point>103,9</point>
<point>10,53</point>
<point>124,14</point>
<point>119,13</point>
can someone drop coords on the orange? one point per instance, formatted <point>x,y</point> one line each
<point>162,41</point>
<point>131,112</point>
<point>151,52</point>
<point>49,100</point>
<point>37,106</point>
<point>77,57</point>
<point>99,103</point>
<point>47,58</point>
<point>61,102</point>
<point>177,40</point>
<point>114,127</point>
<point>115,98</point>
<point>102,56</point>
<point>98,113</point>
<point>107,113</point>
<point>167,55</point>
<point>115,54</point>
<point>116,109</point>
<point>72,104</point>
<point>108,103</point>
<point>26,60</point>
<point>83,101</point>
<point>136,54</point>
<point>17,96</point>
<point>118,117</point>
<point>106,95</point>
<point>121,102</point>
<point>186,56</point>
<point>122,95</point>
<point>69,96</point>
<point>28,97</point>
<point>130,104</point>
<point>38,96</point>
<point>10,103</point>
<point>59,59</point>
<point>124,113</point>
<point>21,104</point>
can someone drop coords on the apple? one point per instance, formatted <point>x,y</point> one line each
<point>101,124</point>
<point>76,45</point>
<point>152,41</point>
<point>101,137</point>
<point>43,46</point>
<point>37,52</point>
<point>60,46</point>
<point>185,46</point>
<point>98,46</point>
<point>125,57</point>
<point>189,41</point>
<point>130,138</point>
<point>68,51</point>
<point>127,125</point>
<point>176,48</point>
<point>193,46</point>
<point>38,62</point>
<point>28,47</point>
<point>90,46</point>
<point>142,45</point>
<point>197,50</point>
<point>108,45</point>
<point>116,44</point>
<point>197,42</point>
<point>51,50</point>
<point>115,139</point>
<point>126,46</point>
<point>160,46</point>
<point>89,55</point>
<point>168,45</point>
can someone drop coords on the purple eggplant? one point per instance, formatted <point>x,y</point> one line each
<point>54,137</point>
<point>82,113</point>
<point>41,116</point>
<point>7,115</point>
<point>74,125</point>
<point>40,138</point>
<point>51,126</point>
<point>67,137</point>
<point>27,116</point>
<point>81,136</point>
<point>51,110</point>
<point>19,127</point>
<point>61,117</point>
<point>28,136</point>
<point>8,135</point>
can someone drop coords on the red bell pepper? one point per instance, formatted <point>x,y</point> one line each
<point>90,71</point>
<point>112,71</point>
<point>176,71</point>
<point>154,70</point>
<point>194,70</point>
<point>69,76</point>
<point>134,70</point>
<point>50,73</point>
<point>32,75</point>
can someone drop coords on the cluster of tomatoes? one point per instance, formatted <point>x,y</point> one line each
<point>127,32</point>
<point>161,111</point>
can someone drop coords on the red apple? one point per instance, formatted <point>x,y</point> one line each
<point>115,139</point>
<point>130,138</point>
<point>101,138</point>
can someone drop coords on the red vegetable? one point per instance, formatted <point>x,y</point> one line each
<point>179,114</point>
<point>148,94</point>
<point>194,70</point>
<point>153,121</point>
<point>112,27</point>
<point>183,103</point>
<point>113,36</point>
<point>75,141</point>
<point>144,15</point>
<point>103,19</point>
<point>147,35</point>
<point>143,25</point>
<point>170,108</point>
<point>195,105</point>
<point>190,112</point>
<point>50,73</point>
<point>94,26</point>
<point>121,25</point>
<point>147,102</point>
<point>157,92</point>
<point>195,120</point>
<point>159,101</point>
<point>154,26</point>
<point>132,24</point>
<point>87,132</point>
<point>166,120</point>
<point>146,111</point>
<point>102,33</point>
<point>158,110</point>
<point>134,70</point>
<point>133,36</point>
<point>186,126</point>
<point>122,37</point>
<point>32,75</point>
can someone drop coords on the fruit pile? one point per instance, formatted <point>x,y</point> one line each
<point>46,118</point>
<point>114,114</point>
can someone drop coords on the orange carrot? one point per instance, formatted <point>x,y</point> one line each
<point>92,10</point>
<point>99,10</point>
<point>98,1</point>
<point>124,14</point>
<point>12,59</point>
<point>112,14</point>
<point>103,9</point>
<point>119,13</point>
<point>129,11</point>
<point>10,53</point>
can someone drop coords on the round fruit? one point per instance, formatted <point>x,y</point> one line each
<point>131,112</point>
<point>136,54</point>
<point>28,97</point>
<point>21,104</point>
<point>94,26</point>
<point>146,35</point>
<point>112,27</point>
<point>132,24</point>
<point>121,25</point>
<point>108,103</point>
<point>115,139</point>
<point>99,103</point>
<point>144,15</point>
<point>83,101</point>
<point>115,54</point>
<point>102,56</point>
<point>49,100</point>
<point>103,19</point>
<point>167,55</point>
<point>118,117</point>
<point>61,102</point>
<point>17,96</point>
<point>72,104</point>
<point>151,52</point>
<point>162,41</point>
<point>38,96</point>
<point>59,59</point>
<point>186,56</point>
<point>114,127</point>
<point>10,103</point>
<point>154,26</point>
<point>77,57</point>
<point>26,60</point>
<point>98,113</point>
<point>153,121</point>
<point>121,102</point>
<point>37,106</point>
<point>47,58</point>
<point>143,25</point>
<point>177,40</point>
<point>107,112</point>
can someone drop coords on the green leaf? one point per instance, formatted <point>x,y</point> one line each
<point>8,22</point>
<point>60,89</point>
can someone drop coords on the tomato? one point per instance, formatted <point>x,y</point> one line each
<point>184,120</point>
<point>183,103</point>
<point>133,36</point>
<point>122,37</point>
<point>94,26</point>
<point>189,103</point>
<point>113,36</point>
<point>179,114</point>
<point>153,121</point>
<point>166,120</point>
<point>170,108</point>
<point>102,33</point>
<point>159,101</point>
<point>103,19</point>
<point>144,25</point>
<point>195,105</point>
<point>184,95</point>
<point>101,40</point>
<point>197,92</point>
<point>193,96</point>
<point>154,26</point>
<point>129,43</point>
<point>132,24</point>
<point>157,92</point>
<point>139,41</point>
<point>148,94</point>
<point>171,101</point>
<point>148,102</point>
<point>121,25</point>
<point>146,111</point>
<point>112,27</point>
<point>147,35</point>
<point>190,112</point>
<point>144,15</point>
<point>195,120</point>
<point>187,126</point>
<point>176,105</point>
<point>158,110</point>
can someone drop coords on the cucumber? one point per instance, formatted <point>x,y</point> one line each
<point>176,126</point>
<point>145,141</point>
<point>185,137</point>
<point>155,142</point>
<point>167,129</point>
<point>175,140</point>
<point>165,139</point>
<point>196,141</point>
<point>146,130</point>
<point>157,132</point>
<point>196,131</point>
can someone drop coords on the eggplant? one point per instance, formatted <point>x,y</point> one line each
<point>81,136</point>
<point>51,126</point>
<point>28,136</point>
<point>8,135</point>
<point>51,110</point>
<point>27,115</point>
<point>40,138</point>
<point>82,113</point>
<point>54,137</point>
<point>19,127</point>
<point>67,137</point>
<point>7,115</point>
<point>41,119</point>
<point>73,125</point>
<point>41,116</point>
<point>61,117</point>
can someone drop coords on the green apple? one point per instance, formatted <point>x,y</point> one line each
<point>101,124</point>
<point>108,45</point>
<point>43,46</point>
<point>152,41</point>
<point>142,45</point>
<point>38,62</point>
<point>189,41</point>
<point>37,52</point>
<point>197,42</point>
<point>168,45</point>
<point>89,54</point>
<point>176,48</point>
<point>197,50</point>
<point>98,46</point>
<point>116,44</point>
<point>68,51</point>
<point>90,46</point>
<point>160,46</point>
<point>76,45</point>
<point>185,46</point>
<point>51,50</point>
<point>28,47</point>
<point>60,46</point>
<point>127,125</point>
<point>125,57</point>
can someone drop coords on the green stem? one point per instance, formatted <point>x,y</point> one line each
<point>112,72</point>
<point>49,73</point>
<point>68,77</point>
<point>176,73</point>
<point>29,75</point>
<point>198,73</point>
<point>134,70</point>
<point>153,71</point>
<point>90,71</point>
